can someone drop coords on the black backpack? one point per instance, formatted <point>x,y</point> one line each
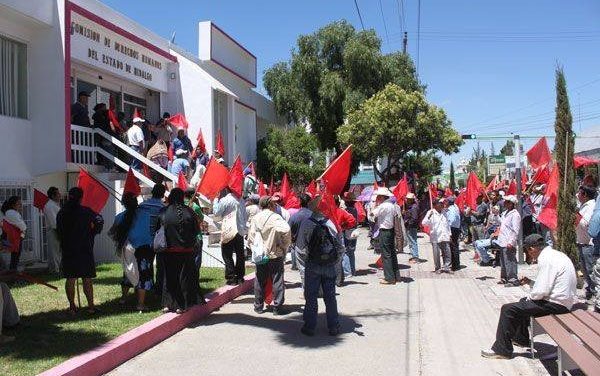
<point>321,246</point>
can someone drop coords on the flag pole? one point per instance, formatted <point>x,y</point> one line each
<point>331,163</point>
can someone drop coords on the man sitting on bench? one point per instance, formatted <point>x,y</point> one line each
<point>553,292</point>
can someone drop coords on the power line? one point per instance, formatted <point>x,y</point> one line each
<point>400,8</point>
<point>387,37</point>
<point>359,15</point>
<point>418,34</point>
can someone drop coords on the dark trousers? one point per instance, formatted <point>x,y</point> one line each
<point>15,257</point>
<point>160,274</point>
<point>274,269</point>
<point>514,320</point>
<point>388,254</point>
<point>508,265</point>
<point>234,273</point>
<point>454,248</point>
<point>181,281</point>
<point>315,279</point>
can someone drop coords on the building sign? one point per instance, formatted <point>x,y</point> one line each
<point>496,164</point>
<point>95,45</point>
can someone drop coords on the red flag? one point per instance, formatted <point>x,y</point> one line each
<point>512,188</point>
<point>220,145</point>
<point>539,154</point>
<point>179,121</point>
<point>200,143</point>
<point>269,290</point>
<point>493,184</point>
<point>579,161</point>
<point>271,187</point>
<point>131,184</point>
<point>285,188</point>
<point>39,199</point>
<point>262,191</point>
<point>112,114</point>
<point>360,211</point>
<point>524,179</point>
<point>401,190</point>
<point>474,190</point>
<point>13,236</point>
<point>171,153</point>
<point>541,175</point>
<point>328,207</point>
<point>448,192</point>
<point>146,171</point>
<point>136,113</point>
<point>236,177</point>
<point>549,216</point>
<point>337,173</point>
<point>460,200</point>
<point>312,188</point>
<point>214,180</point>
<point>379,263</point>
<point>95,195</point>
<point>182,181</point>
<point>292,201</point>
<point>433,191</point>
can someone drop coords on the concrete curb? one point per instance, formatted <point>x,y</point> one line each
<point>132,343</point>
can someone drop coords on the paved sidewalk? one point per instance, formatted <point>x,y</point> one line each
<point>428,325</point>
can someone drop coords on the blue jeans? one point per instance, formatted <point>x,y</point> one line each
<point>349,260</point>
<point>135,163</point>
<point>316,277</point>
<point>482,246</point>
<point>587,258</point>
<point>411,234</point>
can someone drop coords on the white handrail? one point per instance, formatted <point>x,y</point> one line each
<point>125,167</point>
<point>136,155</point>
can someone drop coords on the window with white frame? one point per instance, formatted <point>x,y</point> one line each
<point>13,78</point>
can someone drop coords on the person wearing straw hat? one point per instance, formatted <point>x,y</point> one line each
<point>508,237</point>
<point>135,140</point>
<point>553,292</point>
<point>439,235</point>
<point>385,213</point>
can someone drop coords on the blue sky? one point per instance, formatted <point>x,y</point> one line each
<point>490,65</point>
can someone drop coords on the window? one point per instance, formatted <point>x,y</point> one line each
<point>130,103</point>
<point>13,78</point>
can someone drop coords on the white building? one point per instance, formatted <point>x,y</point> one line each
<point>52,49</point>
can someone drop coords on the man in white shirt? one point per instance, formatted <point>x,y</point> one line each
<point>553,292</point>
<point>439,235</point>
<point>587,257</point>
<point>51,209</point>
<point>135,140</point>
<point>508,237</point>
<point>384,214</point>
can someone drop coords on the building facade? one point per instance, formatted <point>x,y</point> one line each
<point>50,50</point>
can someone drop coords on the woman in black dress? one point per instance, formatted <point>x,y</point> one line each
<point>77,226</point>
<point>181,227</point>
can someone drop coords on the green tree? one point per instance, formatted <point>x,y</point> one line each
<point>563,150</point>
<point>401,128</point>
<point>452,181</point>
<point>508,149</point>
<point>330,73</point>
<point>292,150</point>
<point>478,163</point>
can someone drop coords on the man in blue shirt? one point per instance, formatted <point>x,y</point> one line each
<point>452,214</point>
<point>295,221</point>
<point>181,163</point>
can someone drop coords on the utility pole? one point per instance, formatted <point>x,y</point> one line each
<point>517,153</point>
<point>404,42</point>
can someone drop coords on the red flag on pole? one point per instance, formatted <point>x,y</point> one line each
<point>512,188</point>
<point>292,201</point>
<point>312,188</point>
<point>214,180</point>
<point>136,113</point>
<point>236,177</point>
<point>95,195</point>
<point>220,145</point>
<point>493,184</point>
<point>401,190</point>
<point>474,190</point>
<point>200,140</point>
<point>285,188</point>
<point>541,175</point>
<point>271,187</point>
<point>328,207</point>
<point>524,179</point>
<point>448,192</point>
<point>131,184</point>
<point>539,154</point>
<point>112,115</point>
<point>179,121</point>
<point>13,236</point>
<point>182,181</point>
<point>262,191</point>
<point>433,191</point>
<point>39,199</point>
<point>360,211</point>
<point>337,173</point>
<point>549,216</point>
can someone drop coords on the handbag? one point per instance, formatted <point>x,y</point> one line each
<point>259,254</point>
<point>160,240</point>
<point>229,227</point>
<point>130,267</point>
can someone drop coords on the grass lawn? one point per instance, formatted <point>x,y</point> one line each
<point>47,336</point>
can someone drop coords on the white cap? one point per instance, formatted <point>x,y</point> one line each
<point>138,120</point>
<point>382,191</point>
<point>511,198</point>
<point>180,152</point>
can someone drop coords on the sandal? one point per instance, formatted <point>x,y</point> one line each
<point>166,310</point>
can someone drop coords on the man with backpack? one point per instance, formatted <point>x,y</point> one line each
<point>276,238</point>
<point>320,250</point>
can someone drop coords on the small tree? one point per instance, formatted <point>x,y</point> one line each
<point>563,149</point>
<point>397,125</point>
<point>452,182</point>
<point>294,151</point>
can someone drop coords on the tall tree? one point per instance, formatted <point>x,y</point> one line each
<point>330,73</point>
<point>478,162</point>
<point>292,150</point>
<point>508,149</point>
<point>400,128</point>
<point>492,149</point>
<point>563,150</point>
<point>452,181</point>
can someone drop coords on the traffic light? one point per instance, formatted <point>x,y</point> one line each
<point>469,136</point>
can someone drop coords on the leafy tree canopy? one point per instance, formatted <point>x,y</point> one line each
<point>399,126</point>
<point>290,150</point>
<point>330,73</point>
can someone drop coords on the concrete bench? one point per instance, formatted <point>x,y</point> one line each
<point>577,335</point>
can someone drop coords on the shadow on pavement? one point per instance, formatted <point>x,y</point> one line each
<point>363,272</point>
